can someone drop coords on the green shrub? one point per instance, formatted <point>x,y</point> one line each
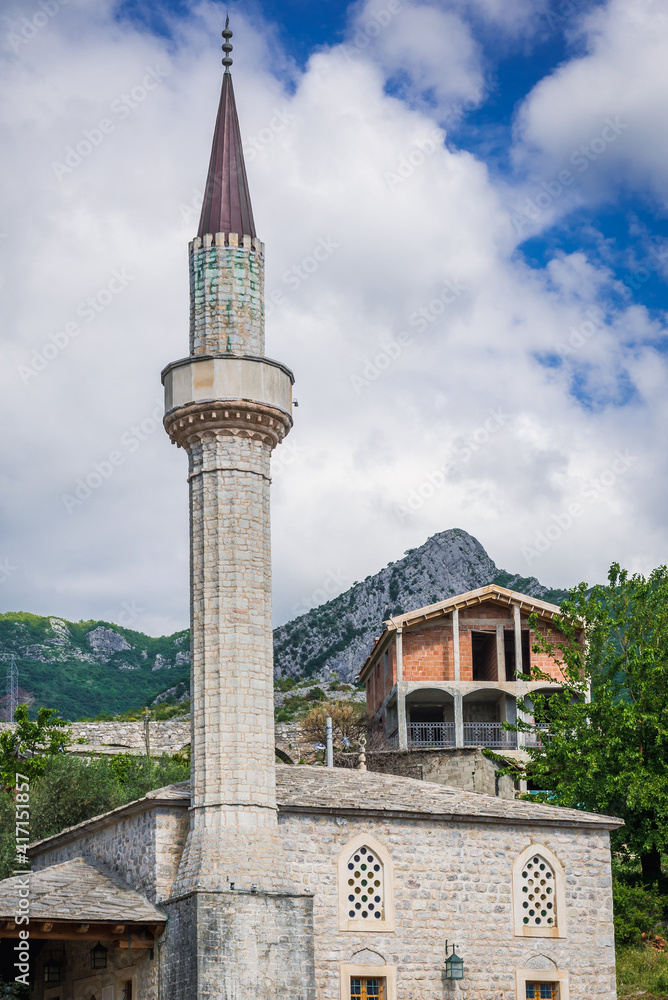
<point>641,972</point>
<point>638,910</point>
<point>14,991</point>
<point>285,684</point>
<point>71,790</point>
<point>316,694</point>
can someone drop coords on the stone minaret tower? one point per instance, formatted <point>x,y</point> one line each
<point>238,928</point>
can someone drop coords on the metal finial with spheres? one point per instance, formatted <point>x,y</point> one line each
<point>227,48</point>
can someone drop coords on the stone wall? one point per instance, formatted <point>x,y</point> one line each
<point>102,738</point>
<point>452,880</point>
<point>465,768</point>
<point>168,737</point>
<point>226,295</point>
<point>237,945</point>
<point>143,849</point>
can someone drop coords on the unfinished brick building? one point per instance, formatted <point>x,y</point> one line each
<point>447,675</point>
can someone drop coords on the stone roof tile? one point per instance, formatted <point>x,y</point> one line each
<point>305,788</point>
<point>339,789</point>
<point>78,890</point>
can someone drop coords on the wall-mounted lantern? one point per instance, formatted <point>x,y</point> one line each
<point>98,956</point>
<point>51,971</point>
<point>454,965</point>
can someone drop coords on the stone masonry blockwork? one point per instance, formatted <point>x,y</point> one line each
<point>453,881</point>
<point>144,849</point>
<point>238,945</point>
<point>227,296</point>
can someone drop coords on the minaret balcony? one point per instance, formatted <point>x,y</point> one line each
<point>205,378</point>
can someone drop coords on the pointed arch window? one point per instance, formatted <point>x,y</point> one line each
<point>365,879</point>
<point>539,902</point>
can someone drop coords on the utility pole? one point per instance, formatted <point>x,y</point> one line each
<point>329,743</point>
<point>12,689</point>
<point>147,732</point>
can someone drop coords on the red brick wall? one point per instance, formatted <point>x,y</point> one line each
<point>542,660</point>
<point>497,613</point>
<point>380,681</point>
<point>427,653</point>
<point>465,655</point>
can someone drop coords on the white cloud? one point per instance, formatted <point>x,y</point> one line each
<point>599,114</point>
<point>429,52</point>
<point>421,244</point>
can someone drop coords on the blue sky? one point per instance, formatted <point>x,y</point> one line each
<point>484,345</point>
<point>623,225</point>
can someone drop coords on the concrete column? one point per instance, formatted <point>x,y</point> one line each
<point>401,691</point>
<point>524,717</point>
<point>500,654</point>
<point>399,654</point>
<point>517,622</point>
<point>329,742</point>
<point>455,641</point>
<point>459,720</point>
<point>402,724</point>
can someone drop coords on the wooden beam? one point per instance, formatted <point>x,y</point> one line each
<point>70,931</point>
<point>134,943</point>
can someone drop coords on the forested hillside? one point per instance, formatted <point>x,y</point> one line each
<point>85,668</point>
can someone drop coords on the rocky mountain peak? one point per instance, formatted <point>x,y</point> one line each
<point>104,641</point>
<point>336,638</point>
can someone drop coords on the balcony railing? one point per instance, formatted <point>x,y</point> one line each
<point>537,739</point>
<point>431,734</point>
<point>488,734</point>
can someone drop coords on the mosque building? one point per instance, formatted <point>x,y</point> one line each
<point>259,880</point>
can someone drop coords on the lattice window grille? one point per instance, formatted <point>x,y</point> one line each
<point>538,886</point>
<point>365,886</point>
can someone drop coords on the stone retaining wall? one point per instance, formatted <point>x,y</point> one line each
<point>465,768</point>
<point>103,738</point>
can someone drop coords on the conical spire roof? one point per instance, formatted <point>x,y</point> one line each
<point>227,205</point>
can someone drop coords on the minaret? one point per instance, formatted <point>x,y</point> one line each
<point>228,406</point>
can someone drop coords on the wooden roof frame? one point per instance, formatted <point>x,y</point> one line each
<point>492,592</point>
<point>139,935</point>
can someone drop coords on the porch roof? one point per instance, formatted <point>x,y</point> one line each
<point>80,891</point>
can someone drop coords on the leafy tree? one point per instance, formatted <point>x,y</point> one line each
<point>70,790</point>
<point>26,748</point>
<point>638,911</point>
<point>348,723</point>
<point>609,755</point>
